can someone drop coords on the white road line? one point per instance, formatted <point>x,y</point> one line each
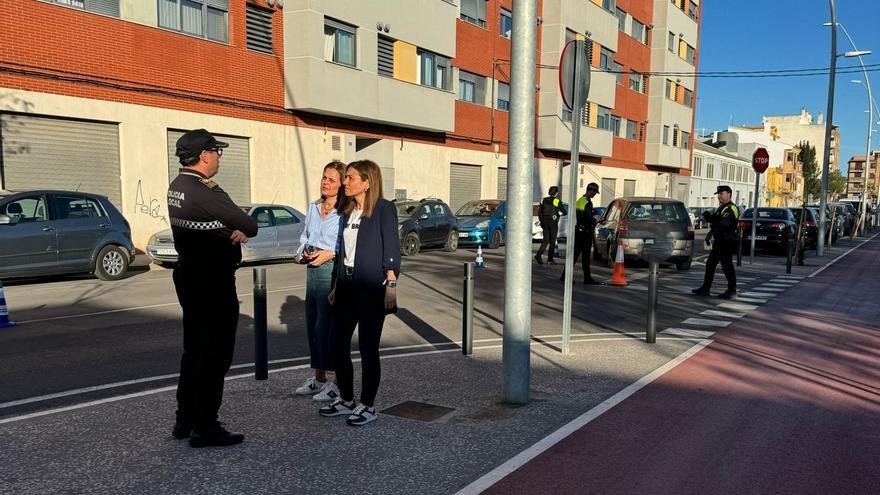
<point>784,285</point>
<point>760,294</point>
<point>737,306</point>
<point>722,314</point>
<point>751,299</point>
<point>768,289</point>
<point>495,475</point>
<point>688,332</point>
<point>835,260</point>
<point>703,322</point>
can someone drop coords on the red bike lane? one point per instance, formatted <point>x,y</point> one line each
<point>786,400</point>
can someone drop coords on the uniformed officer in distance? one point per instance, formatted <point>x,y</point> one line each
<point>722,236</point>
<point>548,215</point>
<point>583,232</point>
<point>208,230</point>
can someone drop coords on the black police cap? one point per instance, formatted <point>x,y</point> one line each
<point>192,143</point>
<point>722,189</point>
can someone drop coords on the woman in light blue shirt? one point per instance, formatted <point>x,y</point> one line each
<point>318,247</point>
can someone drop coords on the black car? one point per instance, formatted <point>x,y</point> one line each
<point>810,225</point>
<point>428,222</point>
<point>772,230</point>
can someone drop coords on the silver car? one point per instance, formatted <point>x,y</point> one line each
<point>60,232</point>
<point>278,236</point>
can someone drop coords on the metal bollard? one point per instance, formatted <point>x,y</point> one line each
<point>739,251</point>
<point>261,351</point>
<point>467,310</point>
<point>651,331</point>
<point>788,253</point>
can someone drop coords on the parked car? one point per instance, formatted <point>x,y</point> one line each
<point>772,230</point>
<point>698,221</point>
<point>279,227</point>
<point>428,222</point>
<point>642,222</point>
<point>482,222</point>
<point>538,232</point>
<point>60,232</point>
<point>810,225</point>
<point>835,228</point>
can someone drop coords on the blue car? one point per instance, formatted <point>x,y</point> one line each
<point>482,222</point>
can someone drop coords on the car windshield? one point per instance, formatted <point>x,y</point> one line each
<point>657,212</point>
<point>796,212</point>
<point>406,209</point>
<point>771,213</point>
<point>478,209</point>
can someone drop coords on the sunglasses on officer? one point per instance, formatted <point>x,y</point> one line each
<point>219,151</point>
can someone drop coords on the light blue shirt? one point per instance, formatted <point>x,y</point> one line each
<point>322,233</point>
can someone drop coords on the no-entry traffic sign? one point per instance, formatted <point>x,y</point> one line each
<point>760,160</point>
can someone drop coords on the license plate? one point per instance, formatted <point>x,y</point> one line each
<point>757,238</point>
<point>463,234</point>
<point>167,251</point>
<point>649,241</point>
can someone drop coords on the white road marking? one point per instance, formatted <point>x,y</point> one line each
<point>737,306</point>
<point>687,332</point>
<point>702,322</point>
<point>779,284</point>
<point>759,294</point>
<point>495,475</point>
<point>751,299</point>
<point>835,260</point>
<point>722,314</point>
<point>790,277</point>
<point>768,289</point>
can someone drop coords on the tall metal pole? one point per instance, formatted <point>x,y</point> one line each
<point>521,169</point>
<point>580,47</point>
<point>755,216</point>
<point>826,154</point>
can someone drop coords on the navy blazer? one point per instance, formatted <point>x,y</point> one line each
<point>378,248</point>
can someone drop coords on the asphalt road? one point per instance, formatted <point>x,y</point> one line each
<point>81,339</point>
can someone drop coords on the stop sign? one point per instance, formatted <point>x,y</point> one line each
<point>760,160</point>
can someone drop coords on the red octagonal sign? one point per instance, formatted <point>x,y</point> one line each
<point>760,160</point>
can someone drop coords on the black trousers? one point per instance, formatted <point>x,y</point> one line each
<point>550,228</point>
<point>210,321</point>
<point>366,311</point>
<point>583,243</point>
<point>722,251</point>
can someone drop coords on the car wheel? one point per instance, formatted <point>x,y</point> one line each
<point>112,263</point>
<point>411,244</point>
<point>497,240</point>
<point>451,241</point>
<point>684,265</point>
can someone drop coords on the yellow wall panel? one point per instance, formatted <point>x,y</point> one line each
<point>594,115</point>
<point>598,2</point>
<point>682,49</point>
<point>405,62</point>
<point>597,52</point>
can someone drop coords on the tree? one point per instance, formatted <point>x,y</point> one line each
<point>836,183</point>
<point>812,178</point>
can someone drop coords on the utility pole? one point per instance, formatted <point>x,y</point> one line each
<point>829,120</point>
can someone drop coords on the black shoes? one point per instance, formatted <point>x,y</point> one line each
<point>181,430</point>
<point>214,436</point>
<point>592,281</point>
<point>701,291</point>
<point>538,259</point>
<point>729,294</point>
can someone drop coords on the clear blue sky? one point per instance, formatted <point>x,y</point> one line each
<point>787,34</point>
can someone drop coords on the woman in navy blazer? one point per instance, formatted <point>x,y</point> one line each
<point>365,289</point>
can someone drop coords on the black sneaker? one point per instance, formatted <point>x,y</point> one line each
<point>701,291</point>
<point>729,294</point>
<point>592,281</point>
<point>181,430</point>
<point>337,408</point>
<point>538,259</point>
<point>362,415</point>
<point>214,436</point>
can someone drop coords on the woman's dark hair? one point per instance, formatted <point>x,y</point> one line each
<point>368,171</point>
<point>341,199</point>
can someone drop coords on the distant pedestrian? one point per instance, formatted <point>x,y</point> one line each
<point>365,290</point>
<point>318,245</point>
<point>583,232</point>
<point>548,215</point>
<point>208,228</point>
<point>722,237</point>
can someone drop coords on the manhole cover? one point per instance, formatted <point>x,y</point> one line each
<point>420,411</point>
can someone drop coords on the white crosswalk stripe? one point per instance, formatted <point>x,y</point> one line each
<point>737,306</point>
<point>722,314</point>
<point>702,322</point>
<point>768,289</point>
<point>754,300</point>
<point>687,332</point>
<point>760,294</point>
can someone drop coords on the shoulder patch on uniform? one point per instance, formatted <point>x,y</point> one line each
<point>208,182</point>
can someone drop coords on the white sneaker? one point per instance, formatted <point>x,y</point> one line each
<point>337,408</point>
<point>311,386</point>
<point>362,415</point>
<point>328,392</point>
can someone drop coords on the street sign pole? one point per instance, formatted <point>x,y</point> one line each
<point>760,162</point>
<point>579,92</point>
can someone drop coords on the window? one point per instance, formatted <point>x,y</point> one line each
<point>739,174</point>
<point>106,7</point>
<point>631,130</point>
<point>636,82</point>
<point>434,70</point>
<point>638,31</point>
<point>27,209</point>
<point>692,10</point>
<point>618,72</point>
<point>203,18</point>
<point>75,207</point>
<point>340,42</point>
<point>686,140</point>
<point>569,35</point>
<point>606,61</point>
<point>698,165</point>
<point>262,217</point>
<point>283,217</point>
<point>688,98</point>
<point>621,20</point>
<point>385,52</point>
<point>710,170</point>
<point>259,28</point>
<point>505,23</point>
<point>609,5</point>
<point>471,87</point>
<point>474,12</point>
<point>503,96</point>
<point>689,54</point>
<point>723,171</point>
<point>615,125</point>
<point>665,134</point>
<point>672,43</point>
<point>603,120</point>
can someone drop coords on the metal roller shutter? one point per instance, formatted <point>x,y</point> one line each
<point>502,183</point>
<point>387,182</point>
<point>464,184</point>
<point>52,153</point>
<point>235,165</point>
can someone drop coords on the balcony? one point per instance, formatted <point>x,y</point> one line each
<point>555,135</point>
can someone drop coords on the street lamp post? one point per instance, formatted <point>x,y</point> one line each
<point>826,154</point>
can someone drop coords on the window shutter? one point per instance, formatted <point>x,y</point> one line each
<point>106,7</point>
<point>259,29</point>
<point>386,56</point>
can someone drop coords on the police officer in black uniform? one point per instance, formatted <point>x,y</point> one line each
<point>583,232</point>
<point>722,236</point>
<point>208,230</point>
<point>548,215</point>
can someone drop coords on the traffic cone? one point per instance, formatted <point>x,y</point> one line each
<point>478,263</point>
<point>4,313</point>
<point>618,277</point>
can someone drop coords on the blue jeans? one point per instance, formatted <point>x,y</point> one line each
<point>318,315</point>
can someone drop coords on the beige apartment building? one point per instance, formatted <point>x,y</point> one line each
<point>797,128</point>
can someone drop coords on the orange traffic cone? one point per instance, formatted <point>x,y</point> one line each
<point>4,313</point>
<point>618,278</point>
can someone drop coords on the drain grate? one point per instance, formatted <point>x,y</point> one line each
<point>419,411</point>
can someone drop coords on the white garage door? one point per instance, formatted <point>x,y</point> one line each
<point>66,154</point>
<point>502,183</point>
<point>234,176</point>
<point>464,184</point>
